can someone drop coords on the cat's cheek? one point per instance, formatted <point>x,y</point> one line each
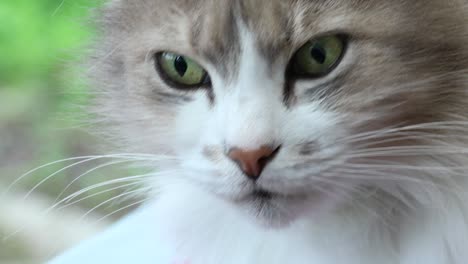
<point>191,121</point>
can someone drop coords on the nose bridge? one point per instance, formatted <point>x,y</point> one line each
<point>251,120</point>
<point>252,102</point>
<point>252,115</point>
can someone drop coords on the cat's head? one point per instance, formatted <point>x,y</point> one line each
<point>282,107</point>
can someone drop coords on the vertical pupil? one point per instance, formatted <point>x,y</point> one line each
<point>318,53</point>
<point>180,65</point>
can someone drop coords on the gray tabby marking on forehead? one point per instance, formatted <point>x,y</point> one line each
<point>216,36</point>
<point>271,24</point>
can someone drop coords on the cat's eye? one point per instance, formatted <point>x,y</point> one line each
<point>181,70</point>
<point>319,56</point>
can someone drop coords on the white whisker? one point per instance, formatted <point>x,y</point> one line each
<point>123,208</point>
<point>93,170</point>
<point>110,200</point>
<point>103,184</point>
<point>71,202</point>
<point>89,157</point>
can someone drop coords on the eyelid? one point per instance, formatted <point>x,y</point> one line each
<point>291,75</point>
<point>206,83</point>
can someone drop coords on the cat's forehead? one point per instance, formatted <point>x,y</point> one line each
<point>270,20</point>
<point>213,29</point>
<point>212,22</point>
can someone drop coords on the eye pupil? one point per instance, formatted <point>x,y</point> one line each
<point>180,65</point>
<point>318,54</point>
<point>318,57</point>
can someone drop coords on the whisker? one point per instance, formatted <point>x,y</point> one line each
<point>92,170</point>
<point>40,167</point>
<point>110,200</point>
<point>119,180</point>
<point>58,8</point>
<point>415,136</point>
<point>407,151</point>
<point>123,208</point>
<point>422,180</point>
<point>461,126</point>
<point>106,183</point>
<point>71,202</point>
<point>430,169</point>
<point>370,175</point>
<point>90,157</point>
<point>55,173</point>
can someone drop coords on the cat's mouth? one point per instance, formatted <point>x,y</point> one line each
<point>270,208</point>
<point>262,194</point>
<point>266,195</point>
<point>258,195</point>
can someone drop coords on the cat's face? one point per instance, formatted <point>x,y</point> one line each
<point>283,107</point>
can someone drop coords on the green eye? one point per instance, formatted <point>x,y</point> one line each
<point>181,70</point>
<point>319,56</point>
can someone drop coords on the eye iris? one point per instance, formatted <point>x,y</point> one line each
<point>178,70</point>
<point>180,65</point>
<point>318,53</point>
<point>318,57</point>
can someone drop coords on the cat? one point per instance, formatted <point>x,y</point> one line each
<point>287,131</point>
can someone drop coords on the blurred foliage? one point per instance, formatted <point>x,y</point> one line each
<point>35,34</point>
<point>39,40</point>
<point>39,95</point>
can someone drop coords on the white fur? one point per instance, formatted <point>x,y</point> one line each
<point>207,231</point>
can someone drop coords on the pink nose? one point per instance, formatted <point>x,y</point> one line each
<point>252,162</point>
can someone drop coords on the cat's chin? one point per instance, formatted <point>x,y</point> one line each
<point>272,211</point>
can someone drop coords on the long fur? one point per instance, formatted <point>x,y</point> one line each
<point>377,150</point>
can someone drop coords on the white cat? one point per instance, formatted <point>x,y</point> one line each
<point>294,131</point>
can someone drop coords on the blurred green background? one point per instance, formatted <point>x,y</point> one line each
<point>41,95</point>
